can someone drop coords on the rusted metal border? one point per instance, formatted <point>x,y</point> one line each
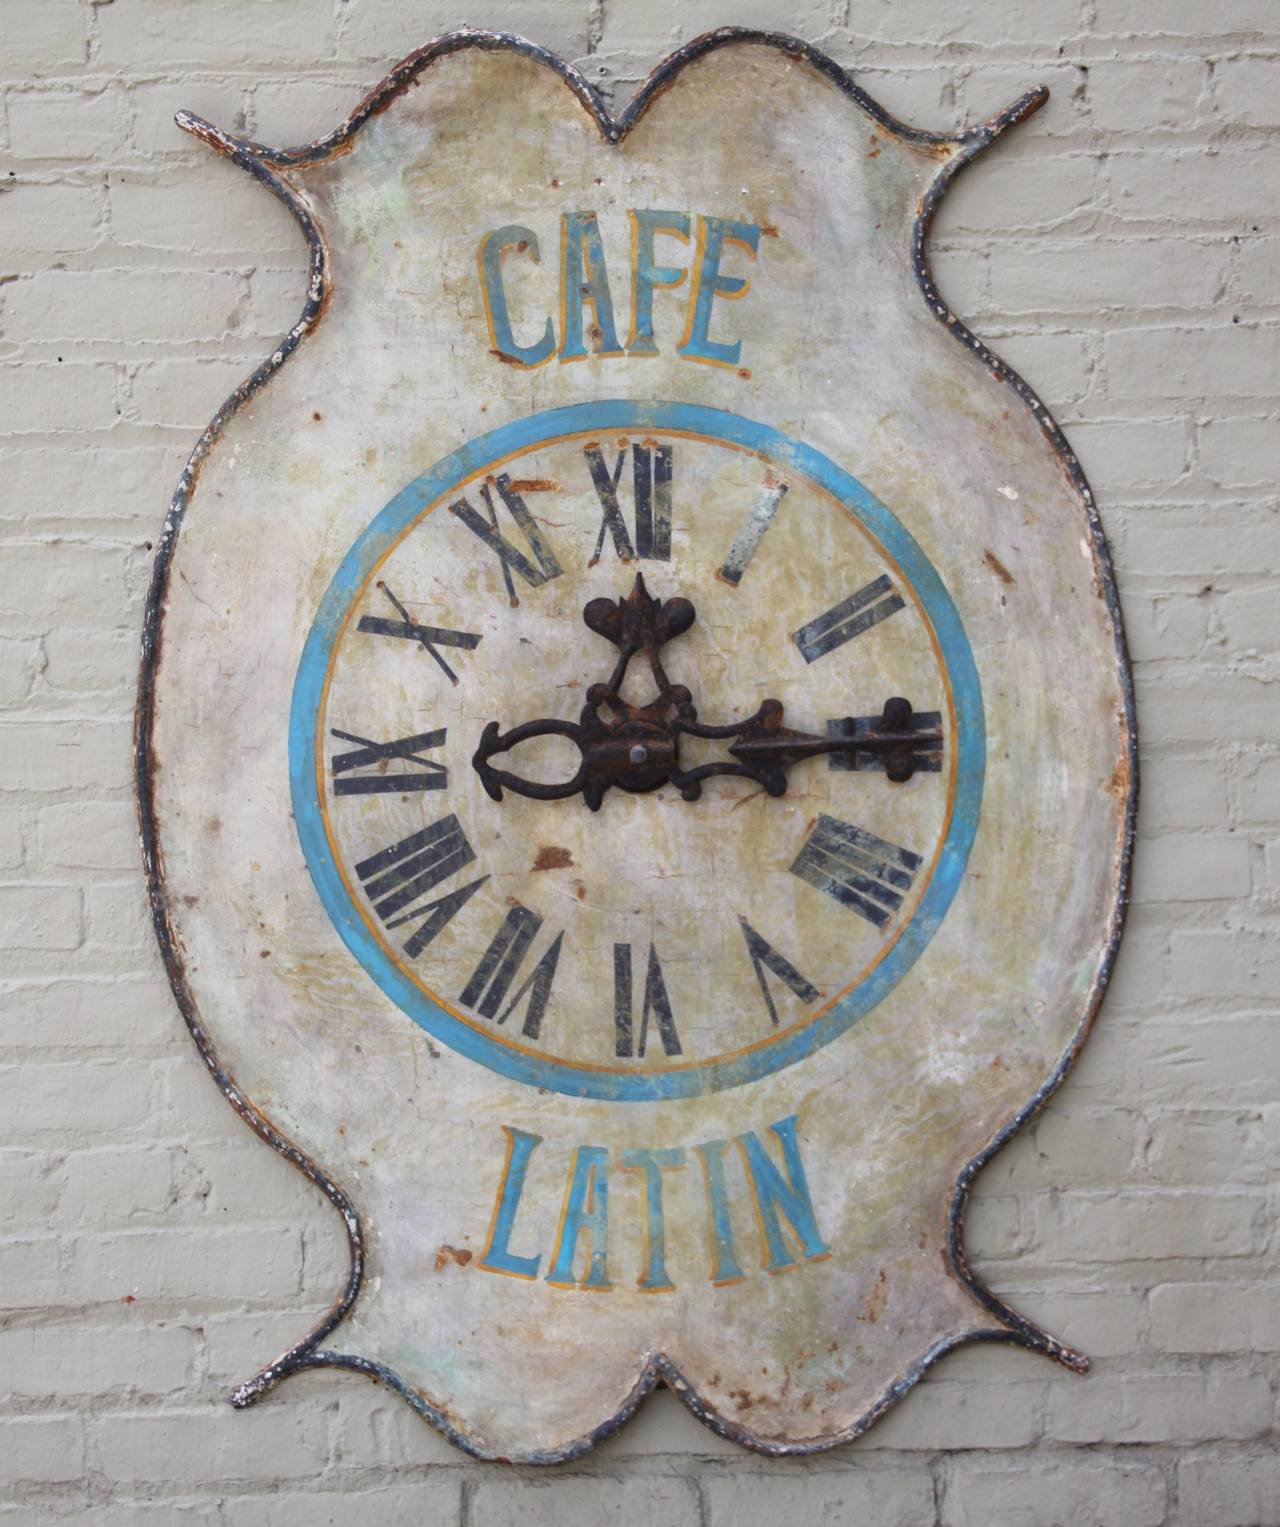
<point>263,163</point>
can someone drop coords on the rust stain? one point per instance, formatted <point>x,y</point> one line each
<point>447,1254</point>
<point>873,1305</point>
<point>997,567</point>
<point>552,858</point>
<point>534,485</point>
<point>769,231</point>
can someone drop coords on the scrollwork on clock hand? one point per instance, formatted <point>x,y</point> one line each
<point>637,747</point>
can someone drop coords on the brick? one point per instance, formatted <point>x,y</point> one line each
<point>1216,1318</point>
<point>62,578</point>
<point>1228,361</point>
<point>887,1497</point>
<point>1161,1408</point>
<point>1053,1493</point>
<point>119,915</point>
<point>1127,1227</point>
<point>384,30</point>
<point>123,305</point>
<point>80,661</point>
<point>1227,185</point>
<point>30,1272</point>
<point>1215,705</point>
<point>1074,1143</point>
<point>1027,192</point>
<point>94,1013</point>
<point>580,1502</point>
<point>1131,453</point>
<point>1230,1492</point>
<point>187,1446</point>
<point>1092,274</point>
<point>95,835</point>
<point>218,210</point>
<point>1192,868</point>
<point>57,1361</point>
<point>434,1501</point>
<point>947,1416</point>
<point>373,1429</point>
<point>1224,964</point>
<point>1103,1324</point>
<point>157,102</point>
<point>185,393</point>
<point>1260,791</point>
<point>235,32</point>
<point>41,917</point>
<point>994,1227</point>
<point>1194,543</point>
<point>21,661</point>
<point>13,851</point>
<point>38,398</point>
<point>80,483</point>
<point>1248,90</point>
<point>44,1448</point>
<point>302,110</point>
<point>78,1098</point>
<point>1162,627</point>
<point>116,1187</point>
<point>53,38</point>
<point>1181,18</point>
<point>1141,95</point>
<point>190,1263</point>
<point>1057,366</point>
<point>69,755</point>
<point>39,219</point>
<point>1238,453</point>
<point>1258,271</point>
<point>1249,621</point>
<point>1183,792</point>
<point>30,1186</point>
<point>1225,1145</point>
<point>69,125</point>
<point>248,1181</point>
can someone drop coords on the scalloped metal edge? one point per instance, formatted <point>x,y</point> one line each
<point>262,162</point>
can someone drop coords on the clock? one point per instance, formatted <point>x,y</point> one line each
<point>636,750</point>
<point>634,747</point>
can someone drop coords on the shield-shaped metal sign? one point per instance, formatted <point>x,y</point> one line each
<point>635,746</point>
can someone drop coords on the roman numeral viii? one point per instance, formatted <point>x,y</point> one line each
<point>651,481</point>
<point>397,877</point>
<point>850,618</point>
<point>857,869</point>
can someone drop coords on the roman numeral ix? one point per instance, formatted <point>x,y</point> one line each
<point>857,869</point>
<point>368,754</point>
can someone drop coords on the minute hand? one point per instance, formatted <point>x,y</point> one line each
<point>764,742</point>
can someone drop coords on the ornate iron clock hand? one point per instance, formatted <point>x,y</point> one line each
<point>637,748</point>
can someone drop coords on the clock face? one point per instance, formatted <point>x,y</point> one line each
<point>657,945</point>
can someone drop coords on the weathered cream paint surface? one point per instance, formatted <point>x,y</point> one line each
<point>841,354</point>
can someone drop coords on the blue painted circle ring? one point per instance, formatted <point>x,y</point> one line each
<point>733,430</point>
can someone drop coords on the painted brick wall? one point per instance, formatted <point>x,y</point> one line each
<point>1124,252</point>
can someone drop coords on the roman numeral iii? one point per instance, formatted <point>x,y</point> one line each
<point>651,482</point>
<point>857,869</point>
<point>850,618</point>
